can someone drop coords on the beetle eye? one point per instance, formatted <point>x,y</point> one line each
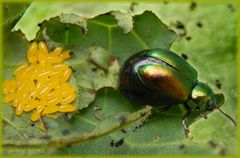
<point>210,105</point>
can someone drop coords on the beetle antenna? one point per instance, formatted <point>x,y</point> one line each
<point>229,117</point>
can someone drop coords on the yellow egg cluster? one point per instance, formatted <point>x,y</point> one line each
<point>41,85</point>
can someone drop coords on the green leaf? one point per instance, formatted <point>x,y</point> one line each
<point>124,20</point>
<point>61,133</point>
<point>51,10</point>
<point>218,54</point>
<point>19,131</point>
<point>93,73</point>
<point>73,19</point>
<point>13,11</point>
<point>94,67</point>
<point>103,31</point>
<point>212,51</point>
<point>111,37</point>
<point>162,133</point>
<point>206,139</point>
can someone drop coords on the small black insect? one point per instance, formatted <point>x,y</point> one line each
<point>182,146</point>
<point>212,144</point>
<point>188,38</point>
<point>94,69</point>
<point>118,143</point>
<point>184,56</point>
<point>179,25</point>
<point>199,24</point>
<point>139,126</point>
<point>112,143</point>
<point>218,84</point>
<point>123,131</point>
<point>32,124</point>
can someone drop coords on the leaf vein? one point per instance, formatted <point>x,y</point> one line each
<point>102,23</point>
<point>85,120</point>
<point>140,40</point>
<point>15,127</point>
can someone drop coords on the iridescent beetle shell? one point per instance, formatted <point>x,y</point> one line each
<point>161,78</point>
<point>157,77</point>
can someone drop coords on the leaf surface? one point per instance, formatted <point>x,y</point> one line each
<point>203,40</point>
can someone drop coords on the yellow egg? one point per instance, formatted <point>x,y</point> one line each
<point>9,86</point>
<point>68,91</point>
<point>33,94</point>
<point>32,104</point>
<point>15,102</point>
<point>36,115</point>
<point>60,67</point>
<point>19,109</point>
<point>67,73</point>
<point>9,97</point>
<point>50,109</point>
<point>20,99</point>
<point>65,54</point>
<point>54,82</point>
<point>20,69</point>
<point>34,72</point>
<point>43,48</point>
<point>54,59</point>
<point>22,87</point>
<point>53,101</point>
<point>41,86</point>
<point>68,99</point>
<point>44,92</point>
<point>42,104</point>
<point>32,53</point>
<point>29,68</point>
<point>42,58</point>
<point>21,78</point>
<point>66,108</point>
<point>56,51</point>
<point>43,76</point>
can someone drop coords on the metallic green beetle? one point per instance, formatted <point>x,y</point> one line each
<point>161,78</point>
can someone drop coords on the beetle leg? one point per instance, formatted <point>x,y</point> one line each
<point>185,121</point>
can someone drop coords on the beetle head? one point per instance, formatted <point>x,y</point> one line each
<point>204,98</point>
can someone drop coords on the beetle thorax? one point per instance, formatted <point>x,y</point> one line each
<point>203,97</point>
